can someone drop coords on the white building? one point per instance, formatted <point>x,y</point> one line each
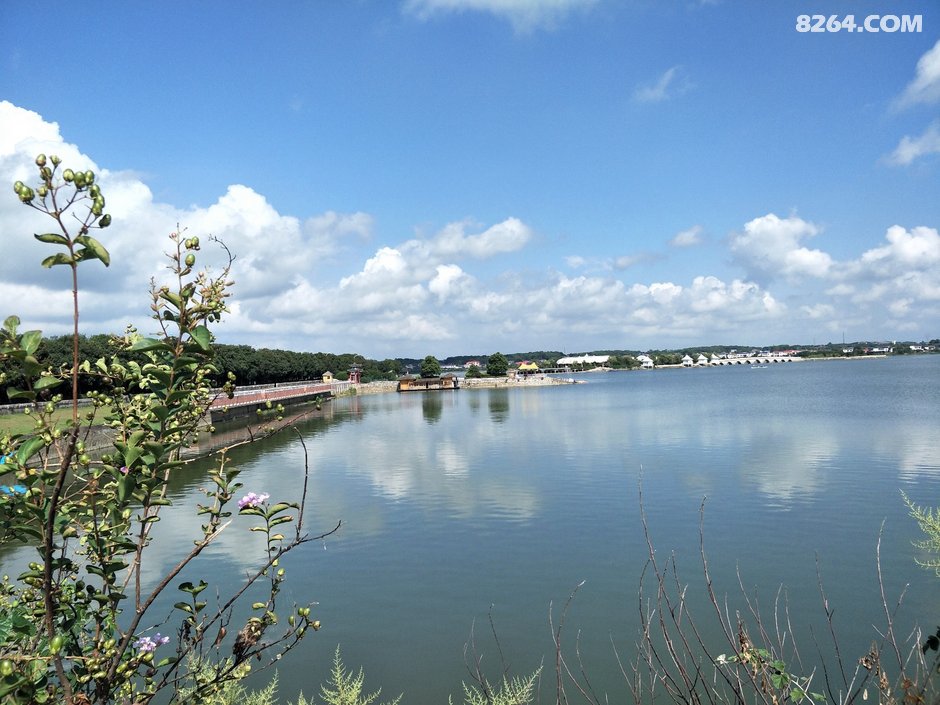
<point>584,360</point>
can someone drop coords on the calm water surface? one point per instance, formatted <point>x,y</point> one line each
<point>463,505</point>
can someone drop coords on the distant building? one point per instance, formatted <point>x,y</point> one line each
<point>411,383</point>
<point>583,360</point>
<point>471,363</point>
<point>701,360</point>
<point>686,361</point>
<point>646,362</point>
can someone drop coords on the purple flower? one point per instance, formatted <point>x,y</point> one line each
<point>123,469</point>
<point>252,500</point>
<point>146,644</point>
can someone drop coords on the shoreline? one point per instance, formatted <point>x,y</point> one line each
<point>476,383</point>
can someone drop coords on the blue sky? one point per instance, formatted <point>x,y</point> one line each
<point>464,176</point>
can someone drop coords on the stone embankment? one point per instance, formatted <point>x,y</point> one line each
<point>478,383</point>
<point>502,382</point>
<point>375,387</point>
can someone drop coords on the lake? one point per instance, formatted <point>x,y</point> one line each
<point>462,508</point>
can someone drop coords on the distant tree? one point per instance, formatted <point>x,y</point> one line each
<point>473,372</point>
<point>497,365</point>
<point>430,367</point>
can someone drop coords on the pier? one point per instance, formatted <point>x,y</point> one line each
<point>248,400</point>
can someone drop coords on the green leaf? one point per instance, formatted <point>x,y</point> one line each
<point>31,366</point>
<point>46,383</point>
<point>14,393</point>
<point>96,248</point>
<point>147,344</point>
<point>131,455</point>
<point>28,449</point>
<point>52,239</point>
<point>202,336</point>
<point>57,258</point>
<point>30,341</point>
<point>177,396</point>
<point>172,298</point>
<point>125,486</point>
<point>10,324</point>
<point>280,507</point>
<point>27,530</point>
<point>136,437</point>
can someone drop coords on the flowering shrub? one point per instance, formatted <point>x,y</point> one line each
<point>252,500</point>
<point>75,626</point>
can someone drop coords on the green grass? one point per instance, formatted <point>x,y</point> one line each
<point>21,423</point>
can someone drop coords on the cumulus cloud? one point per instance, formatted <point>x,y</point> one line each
<point>911,148</point>
<point>671,83</point>
<point>273,251</point>
<point>917,249</point>
<point>770,247</point>
<point>525,15</point>
<point>508,236</point>
<point>899,281</point>
<point>458,286</point>
<point>925,87</point>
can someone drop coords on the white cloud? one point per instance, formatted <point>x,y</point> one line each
<point>911,148</point>
<point>272,251</point>
<point>447,281</point>
<point>918,249</point>
<point>508,236</point>
<point>688,238</point>
<point>818,311</point>
<point>461,286</point>
<point>925,87</point>
<point>627,261</point>
<point>575,261</point>
<point>673,82</point>
<point>525,15</point>
<point>331,229</point>
<point>769,247</point>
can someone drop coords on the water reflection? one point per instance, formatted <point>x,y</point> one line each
<point>453,501</point>
<point>432,405</point>
<point>498,402</point>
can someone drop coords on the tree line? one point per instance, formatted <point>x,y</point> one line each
<point>249,365</point>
